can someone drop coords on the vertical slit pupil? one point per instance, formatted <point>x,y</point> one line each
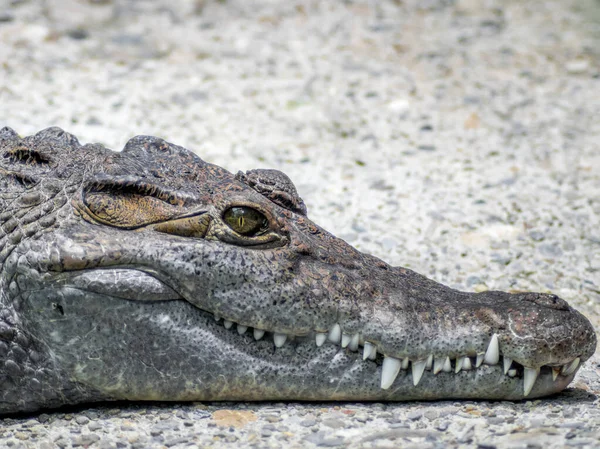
<point>245,220</point>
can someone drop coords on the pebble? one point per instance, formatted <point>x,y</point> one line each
<point>93,426</point>
<point>323,439</point>
<point>362,418</point>
<point>442,426</point>
<point>81,420</point>
<point>175,441</point>
<point>85,440</point>
<point>334,423</point>
<point>431,414</point>
<point>29,423</point>
<point>578,66</point>
<point>308,422</point>
<point>415,415</point>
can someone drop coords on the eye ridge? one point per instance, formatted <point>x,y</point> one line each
<point>246,221</point>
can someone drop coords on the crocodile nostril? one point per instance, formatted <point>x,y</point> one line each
<point>546,300</point>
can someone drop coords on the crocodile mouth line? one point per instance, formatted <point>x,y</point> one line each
<point>392,366</point>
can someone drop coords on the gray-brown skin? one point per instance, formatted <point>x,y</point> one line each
<point>114,265</point>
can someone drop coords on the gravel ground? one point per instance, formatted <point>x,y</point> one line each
<point>458,138</point>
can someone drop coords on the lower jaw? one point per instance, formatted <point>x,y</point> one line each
<point>332,374</point>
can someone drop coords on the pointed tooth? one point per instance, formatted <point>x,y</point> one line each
<point>320,338</point>
<point>217,318</point>
<point>335,333</point>
<point>529,377</point>
<point>512,372</point>
<point>353,346</point>
<point>373,354</point>
<point>438,364</point>
<point>492,355</point>
<point>574,365</point>
<point>466,366</point>
<point>389,371</point>
<point>570,368</point>
<point>459,364</point>
<point>429,363</point>
<point>405,362</point>
<point>555,372</point>
<point>279,339</point>
<point>241,329</point>
<point>367,349</point>
<point>507,362</point>
<point>418,367</point>
<point>345,340</point>
<point>479,360</point>
<point>227,324</point>
<point>447,368</point>
<point>258,334</point>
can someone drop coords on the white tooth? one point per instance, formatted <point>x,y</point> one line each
<point>367,350</point>
<point>570,368</point>
<point>335,333</point>
<point>479,360</point>
<point>389,371</point>
<point>241,329</point>
<point>405,362</point>
<point>507,362</point>
<point>227,324</point>
<point>217,318</point>
<point>529,378</point>
<point>512,372</point>
<point>466,366</point>
<point>353,346</point>
<point>373,354</point>
<point>279,339</point>
<point>555,372</point>
<point>320,338</point>
<point>438,364</point>
<point>429,363</point>
<point>459,364</point>
<point>492,355</point>
<point>417,371</point>
<point>258,334</point>
<point>345,340</point>
<point>447,368</point>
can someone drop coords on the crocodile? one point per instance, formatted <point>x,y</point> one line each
<point>150,274</point>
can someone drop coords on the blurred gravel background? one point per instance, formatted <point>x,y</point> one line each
<point>458,138</point>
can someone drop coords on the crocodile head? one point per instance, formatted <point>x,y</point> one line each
<point>150,274</point>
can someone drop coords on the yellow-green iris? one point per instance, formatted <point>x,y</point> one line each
<point>245,220</point>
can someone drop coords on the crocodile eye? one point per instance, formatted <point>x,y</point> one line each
<point>246,221</point>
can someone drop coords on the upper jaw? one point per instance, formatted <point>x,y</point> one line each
<point>396,373</point>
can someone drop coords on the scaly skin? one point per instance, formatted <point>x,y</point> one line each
<point>114,267</point>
